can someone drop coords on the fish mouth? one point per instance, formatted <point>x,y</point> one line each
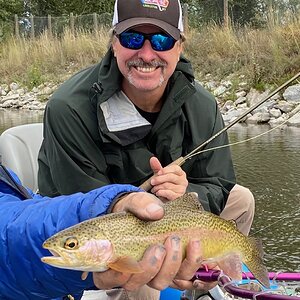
<point>92,256</point>
<point>54,253</point>
<point>59,258</point>
<point>53,261</point>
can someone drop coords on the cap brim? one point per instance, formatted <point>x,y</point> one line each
<point>127,24</point>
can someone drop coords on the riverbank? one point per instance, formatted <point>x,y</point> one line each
<point>233,98</point>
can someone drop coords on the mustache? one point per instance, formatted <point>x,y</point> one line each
<point>142,64</point>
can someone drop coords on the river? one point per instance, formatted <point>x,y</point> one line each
<point>270,167</point>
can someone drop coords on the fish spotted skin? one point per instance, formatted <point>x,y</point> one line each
<point>118,241</point>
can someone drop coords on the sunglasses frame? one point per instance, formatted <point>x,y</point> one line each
<point>146,36</point>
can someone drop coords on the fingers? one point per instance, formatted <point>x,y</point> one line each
<point>170,265</point>
<point>167,194</point>
<point>189,266</point>
<point>151,263</point>
<point>155,164</point>
<point>172,173</point>
<point>163,267</point>
<point>169,182</point>
<point>143,205</point>
<point>196,285</point>
<point>109,279</point>
<point>169,185</point>
<point>192,262</point>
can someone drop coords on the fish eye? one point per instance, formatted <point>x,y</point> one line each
<point>71,243</point>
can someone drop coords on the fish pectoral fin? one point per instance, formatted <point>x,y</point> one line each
<point>125,264</point>
<point>231,265</point>
<point>84,275</point>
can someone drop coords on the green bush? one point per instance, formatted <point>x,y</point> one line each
<point>33,77</point>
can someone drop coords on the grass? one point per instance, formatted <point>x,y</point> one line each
<point>48,58</point>
<point>264,56</point>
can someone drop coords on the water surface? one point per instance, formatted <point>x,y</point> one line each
<point>269,166</point>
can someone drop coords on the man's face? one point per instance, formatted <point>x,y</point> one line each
<point>146,69</point>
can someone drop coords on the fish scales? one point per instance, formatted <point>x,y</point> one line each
<point>122,239</point>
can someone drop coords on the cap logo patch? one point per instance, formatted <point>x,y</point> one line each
<point>157,4</point>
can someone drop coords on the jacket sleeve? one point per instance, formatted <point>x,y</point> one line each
<point>25,225</point>
<point>71,140</point>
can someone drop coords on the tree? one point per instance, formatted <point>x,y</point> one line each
<point>9,8</point>
<point>240,11</point>
<point>58,7</point>
<point>7,11</point>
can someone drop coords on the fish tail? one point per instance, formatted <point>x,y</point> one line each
<point>254,262</point>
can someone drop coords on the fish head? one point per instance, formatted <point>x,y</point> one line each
<point>78,253</point>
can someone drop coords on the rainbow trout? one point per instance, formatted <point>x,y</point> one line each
<point>118,241</point>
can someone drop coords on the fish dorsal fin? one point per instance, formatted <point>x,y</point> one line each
<point>187,202</point>
<point>126,264</point>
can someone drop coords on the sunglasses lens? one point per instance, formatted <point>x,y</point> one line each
<point>162,42</point>
<point>135,40</point>
<point>131,40</point>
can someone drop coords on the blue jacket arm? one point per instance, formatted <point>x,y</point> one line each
<point>25,225</point>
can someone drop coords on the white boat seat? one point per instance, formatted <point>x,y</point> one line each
<point>19,148</point>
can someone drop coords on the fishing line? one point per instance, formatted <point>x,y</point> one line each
<point>288,215</point>
<point>243,141</point>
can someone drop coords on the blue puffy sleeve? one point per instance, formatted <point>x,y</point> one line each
<point>25,225</point>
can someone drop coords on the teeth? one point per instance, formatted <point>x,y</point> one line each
<point>54,253</point>
<point>146,69</point>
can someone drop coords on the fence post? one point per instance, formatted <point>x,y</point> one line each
<point>95,19</point>
<point>32,26</point>
<point>17,32</point>
<point>226,22</point>
<point>185,18</point>
<point>72,25</point>
<point>49,25</point>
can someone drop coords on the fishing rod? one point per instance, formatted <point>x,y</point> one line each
<point>181,160</point>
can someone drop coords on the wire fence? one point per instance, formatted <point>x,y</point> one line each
<point>33,26</point>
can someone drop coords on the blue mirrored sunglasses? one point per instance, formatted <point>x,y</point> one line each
<point>135,40</point>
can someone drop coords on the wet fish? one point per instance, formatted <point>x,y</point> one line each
<point>118,241</point>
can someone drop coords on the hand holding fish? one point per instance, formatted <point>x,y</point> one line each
<point>145,206</point>
<point>169,182</point>
<point>192,262</point>
<point>160,262</point>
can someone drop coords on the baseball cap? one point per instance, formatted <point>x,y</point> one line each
<point>165,14</point>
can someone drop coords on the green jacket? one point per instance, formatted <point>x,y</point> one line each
<point>79,154</point>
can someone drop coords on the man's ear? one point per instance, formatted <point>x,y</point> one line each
<point>113,50</point>
<point>113,45</point>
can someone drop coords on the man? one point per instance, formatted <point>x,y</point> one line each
<point>137,110</point>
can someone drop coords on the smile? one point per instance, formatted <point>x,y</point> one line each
<point>146,69</point>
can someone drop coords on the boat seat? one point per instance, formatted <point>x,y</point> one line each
<point>19,148</point>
